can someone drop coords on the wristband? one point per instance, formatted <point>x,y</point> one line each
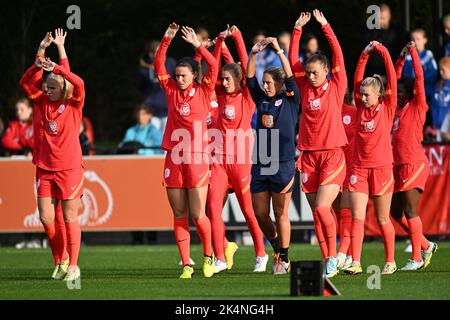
<point>280,51</point>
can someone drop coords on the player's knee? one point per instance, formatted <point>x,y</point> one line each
<point>179,214</point>
<point>198,216</point>
<point>262,215</point>
<point>70,215</point>
<point>46,218</point>
<point>358,214</point>
<point>411,212</point>
<point>283,220</point>
<point>396,213</point>
<point>383,220</point>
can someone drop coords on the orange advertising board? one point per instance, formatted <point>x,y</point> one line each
<point>120,193</point>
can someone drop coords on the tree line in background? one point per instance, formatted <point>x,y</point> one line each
<point>105,51</point>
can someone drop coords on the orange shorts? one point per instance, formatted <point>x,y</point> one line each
<point>346,184</point>
<point>61,185</point>
<point>372,181</point>
<point>192,172</point>
<point>321,168</point>
<point>233,176</point>
<point>411,176</point>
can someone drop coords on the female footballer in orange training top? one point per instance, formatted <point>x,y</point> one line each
<point>411,165</point>
<point>342,204</point>
<point>371,172</point>
<point>57,152</point>
<point>321,133</point>
<point>58,245</point>
<point>232,160</point>
<point>186,169</point>
<point>228,248</point>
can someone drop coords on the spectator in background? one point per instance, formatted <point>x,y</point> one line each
<point>429,65</point>
<point>202,34</point>
<point>18,137</point>
<point>440,104</point>
<point>266,59</point>
<point>284,40</point>
<point>153,95</point>
<point>86,137</point>
<point>391,35</point>
<point>309,47</point>
<point>144,132</point>
<point>446,25</point>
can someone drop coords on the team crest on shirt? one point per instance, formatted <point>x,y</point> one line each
<point>230,112</point>
<point>314,104</point>
<point>396,123</point>
<point>278,102</point>
<point>209,119</point>
<point>166,173</point>
<point>192,92</point>
<point>214,104</point>
<point>368,126</point>
<point>61,108</point>
<point>185,109</point>
<point>347,120</point>
<point>304,177</point>
<point>353,179</point>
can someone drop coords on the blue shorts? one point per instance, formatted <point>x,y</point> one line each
<point>278,179</point>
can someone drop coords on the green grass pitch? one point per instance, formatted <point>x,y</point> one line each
<point>151,272</point>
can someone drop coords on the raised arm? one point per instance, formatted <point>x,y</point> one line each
<point>226,54</point>
<point>391,81</point>
<point>37,78</point>
<point>207,44</point>
<point>78,83</point>
<point>28,80</point>
<point>257,48</point>
<point>400,63</point>
<point>45,43</point>
<point>218,49</point>
<point>338,71</point>
<point>284,61</point>
<point>252,83</point>
<point>60,37</point>
<point>160,56</point>
<point>209,80</point>
<point>236,35</point>
<point>359,73</point>
<point>59,40</point>
<point>217,54</point>
<point>419,81</point>
<point>293,55</point>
